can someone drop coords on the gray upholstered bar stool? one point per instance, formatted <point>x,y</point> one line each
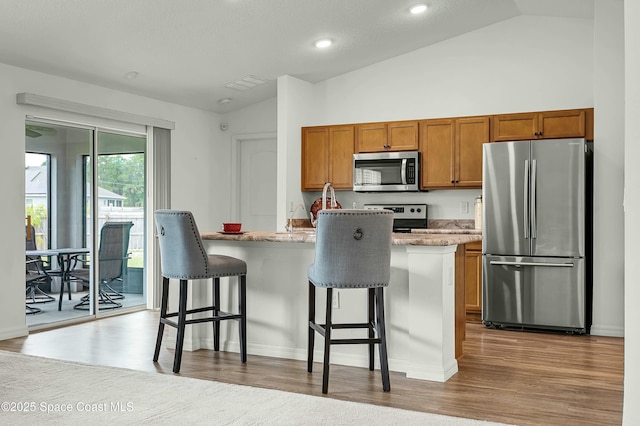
<point>353,251</point>
<point>183,257</point>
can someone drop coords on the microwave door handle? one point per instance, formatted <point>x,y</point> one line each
<point>403,171</point>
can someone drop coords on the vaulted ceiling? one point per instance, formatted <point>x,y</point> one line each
<point>185,52</point>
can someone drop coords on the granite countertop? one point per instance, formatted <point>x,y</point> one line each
<point>309,236</point>
<point>447,231</point>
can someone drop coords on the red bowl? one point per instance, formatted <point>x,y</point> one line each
<point>231,227</point>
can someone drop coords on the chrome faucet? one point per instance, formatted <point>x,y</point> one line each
<point>334,203</point>
<point>289,226</point>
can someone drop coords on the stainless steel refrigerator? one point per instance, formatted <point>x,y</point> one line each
<point>537,234</point>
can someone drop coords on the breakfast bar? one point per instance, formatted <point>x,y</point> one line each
<point>419,303</point>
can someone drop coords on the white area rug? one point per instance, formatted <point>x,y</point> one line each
<point>37,390</point>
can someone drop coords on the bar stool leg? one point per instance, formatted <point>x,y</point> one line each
<point>384,365</point>
<point>242,297</point>
<point>312,332</point>
<point>163,315</point>
<point>216,312</point>
<point>327,343</point>
<point>182,317</point>
<point>370,305</point>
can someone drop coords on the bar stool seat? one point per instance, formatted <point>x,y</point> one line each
<point>183,257</point>
<point>353,251</point>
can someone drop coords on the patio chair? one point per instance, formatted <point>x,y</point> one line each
<point>37,274</point>
<point>112,262</point>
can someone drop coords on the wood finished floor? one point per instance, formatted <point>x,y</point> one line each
<point>514,377</point>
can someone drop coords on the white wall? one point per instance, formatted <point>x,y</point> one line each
<point>522,64</point>
<point>256,118</point>
<point>632,213</point>
<point>194,166</point>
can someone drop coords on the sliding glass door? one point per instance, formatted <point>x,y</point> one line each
<point>85,192</point>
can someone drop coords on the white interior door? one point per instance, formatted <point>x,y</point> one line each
<point>257,189</point>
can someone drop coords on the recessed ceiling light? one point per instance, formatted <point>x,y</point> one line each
<point>131,75</point>
<point>417,9</point>
<point>224,101</point>
<point>323,44</point>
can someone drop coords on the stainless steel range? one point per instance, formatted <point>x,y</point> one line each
<point>405,216</point>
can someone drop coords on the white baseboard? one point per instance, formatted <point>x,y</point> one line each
<point>603,330</point>
<point>12,333</point>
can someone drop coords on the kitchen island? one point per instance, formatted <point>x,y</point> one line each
<point>420,308</point>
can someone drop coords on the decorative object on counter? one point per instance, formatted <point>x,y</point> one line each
<point>478,212</point>
<point>183,257</point>
<point>231,227</point>
<point>323,203</point>
<point>353,251</point>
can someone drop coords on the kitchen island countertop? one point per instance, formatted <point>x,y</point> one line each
<point>308,236</point>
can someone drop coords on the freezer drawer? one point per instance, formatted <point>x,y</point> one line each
<point>534,292</point>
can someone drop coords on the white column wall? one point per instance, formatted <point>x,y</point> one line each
<point>631,413</point>
<point>608,249</point>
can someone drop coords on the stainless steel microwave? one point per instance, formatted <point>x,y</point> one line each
<point>386,171</point>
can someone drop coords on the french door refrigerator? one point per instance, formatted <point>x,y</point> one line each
<point>537,233</point>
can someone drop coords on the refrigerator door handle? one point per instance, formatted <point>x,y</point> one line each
<point>526,199</point>
<point>534,172</point>
<point>559,265</point>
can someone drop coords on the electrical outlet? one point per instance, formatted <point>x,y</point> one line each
<point>335,299</point>
<point>464,207</point>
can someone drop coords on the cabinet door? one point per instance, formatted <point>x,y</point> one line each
<point>315,157</point>
<point>514,127</point>
<point>562,124</point>
<point>473,279</point>
<point>402,136</point>
<point>470,135</point>
<point>341,143</point>
<point>372,137</point>
<point>436,148</point>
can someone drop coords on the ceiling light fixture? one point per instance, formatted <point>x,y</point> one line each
<point>224,101</point>
<point>323,44</point>
<point>417,9</point>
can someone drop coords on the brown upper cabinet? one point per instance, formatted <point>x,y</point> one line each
<point>390,136</point>
<point>573,123</point>
<point>451,148</point>
<point>451,152</point>
<point>327,156</point>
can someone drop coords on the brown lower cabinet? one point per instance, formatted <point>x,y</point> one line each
<point>468,290</point>
<point>473,281</point>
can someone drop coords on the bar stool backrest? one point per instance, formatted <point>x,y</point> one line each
<point>182,254</point>
<point>353,249</point>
